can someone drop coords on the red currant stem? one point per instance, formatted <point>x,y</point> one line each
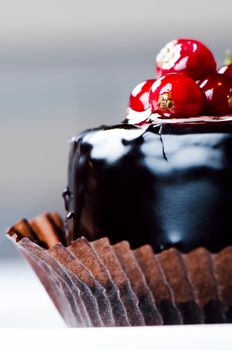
<point>228,59</point>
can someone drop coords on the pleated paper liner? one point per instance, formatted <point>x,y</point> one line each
<point>96,284</point>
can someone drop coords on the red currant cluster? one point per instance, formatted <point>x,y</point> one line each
<point>188,84</point>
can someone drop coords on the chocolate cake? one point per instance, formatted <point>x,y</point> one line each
<point>147,234</point>
<point>163,176</point>
<point>165,184</point>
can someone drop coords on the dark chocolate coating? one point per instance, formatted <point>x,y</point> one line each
<point>166,185</point>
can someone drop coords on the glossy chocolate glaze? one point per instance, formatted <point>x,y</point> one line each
<point>166,185</point>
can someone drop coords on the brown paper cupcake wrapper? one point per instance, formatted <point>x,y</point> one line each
<point>96,284</point>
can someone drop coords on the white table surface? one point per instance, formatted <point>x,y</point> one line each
<point>143,338</point>
<point>24,303</point>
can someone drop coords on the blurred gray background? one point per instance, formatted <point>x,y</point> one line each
<point>67,65</point>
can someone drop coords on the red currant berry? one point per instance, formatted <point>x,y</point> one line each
<point>217,89</point>
<point>139,98</point>
<point>176,95</point>
<point>226,70</point>
<point>185,56</point>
